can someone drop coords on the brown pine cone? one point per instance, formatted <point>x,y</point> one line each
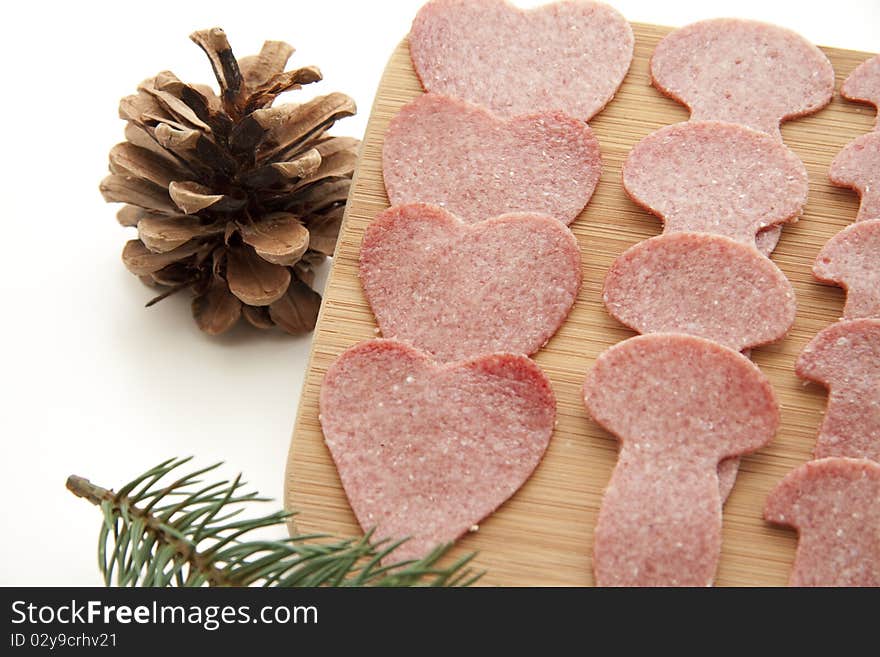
<point>231,197</point>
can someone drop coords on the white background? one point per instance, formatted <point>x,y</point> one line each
<point>94,384</point>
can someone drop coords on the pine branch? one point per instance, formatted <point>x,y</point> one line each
<point>183,533</point>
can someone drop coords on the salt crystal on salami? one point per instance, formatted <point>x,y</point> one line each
<point>700,284</point>
<point>834,504</point>
<point>845,358</point>
<point>679,404</point>
<point>565,56</point>
<point>445,152</point>
<point>863,84</point>
<point>851,259</point>
<point>857,166</point>
<point>717,177</point>
<point>743,71</point>
<point>458,290</point>
<point>427,451</point>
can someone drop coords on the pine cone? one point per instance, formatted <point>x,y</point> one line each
<point>233,198</point>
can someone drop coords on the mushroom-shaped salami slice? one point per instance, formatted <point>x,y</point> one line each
<point>851,259</point>
<point>743,71</point>
<point>565,56</point>
<point>445,152</point>
<point>705,285</point>
<point>458,290</point>
<point>857,166</point>
<point>679,405</point>
<point>716,177</point>
<point>845,358</point>
<point>834,504</point>
<point>863,84</point>
<point>427,451</point>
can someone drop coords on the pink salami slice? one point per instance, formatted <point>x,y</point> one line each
<point>700,284</point>
<point>457,290</point>
<point>716,177</point>
<point>851,259</point>
<point>863,84</point>
<point>728,469</point>
<point>679,404</point>
<point>425,450</point>
<point>445,152</point>
<point>767,239</point>
<point>845,358</point>
<point>567,56</point>
<point>744,72</point>
<point>857,166</point>
<point>834,504</point>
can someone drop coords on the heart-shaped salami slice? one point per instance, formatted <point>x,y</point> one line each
<point>458,290</point>
<point>716,177</point>
<point>744,72</point>
<point>566,56</point>
<point>427,451</point>
<point>445,152</point>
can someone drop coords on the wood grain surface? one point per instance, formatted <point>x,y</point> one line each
<point>544,534</point>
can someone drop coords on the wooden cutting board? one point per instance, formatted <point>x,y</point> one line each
<point>544,534</point>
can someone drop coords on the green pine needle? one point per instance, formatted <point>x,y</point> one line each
<point>186,533</point>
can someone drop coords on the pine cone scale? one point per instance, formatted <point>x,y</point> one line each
<point>257,282</point>
<point>333,165</point>
<point>290,81</point>
<point>128,159</point>
<point>215,45</point>
<point>175,275</point>
<point>175,107</point>
<point>324,230</point>
<point>319,196</point>
<point>297,310</point>
<point>258,316</point>
<point>279,238</point>
<point>289,126</point>
<point>139,136</point>
<point>161,234</point>
<point>279,173</point>
<point>192,100</point>
<point>216,310</point>
<point>192,197</point>
<point>119,188</point>
<point>141,261</point>
<point>272,60</point>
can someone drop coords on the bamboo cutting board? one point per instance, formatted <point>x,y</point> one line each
<point>544,534</point>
